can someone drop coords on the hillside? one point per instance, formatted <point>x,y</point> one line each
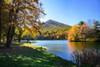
<point>54,30</point>
<point>51,24</point>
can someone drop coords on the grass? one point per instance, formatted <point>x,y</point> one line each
<point>21,43</point>
<point>27,55</point>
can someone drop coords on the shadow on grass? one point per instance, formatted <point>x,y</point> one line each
<point>30,57</point>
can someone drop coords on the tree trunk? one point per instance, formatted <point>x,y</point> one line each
<point>3,40</point>
<point>19,39</point>
<point>14,40</point>
<point>27,40</point>
<point>0,27</point>
<point>11,29</point>
<point>10,34</point>
<point>20,34</point>
<point>0,22</point>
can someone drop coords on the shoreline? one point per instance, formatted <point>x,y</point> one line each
<point>22,54</point>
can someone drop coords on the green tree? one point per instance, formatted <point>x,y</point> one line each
<point>81,23</point>
<point>95,24</point>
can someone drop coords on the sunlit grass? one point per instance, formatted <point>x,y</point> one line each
<point>27,55</point>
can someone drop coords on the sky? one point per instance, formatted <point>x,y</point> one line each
<point>71,12</point>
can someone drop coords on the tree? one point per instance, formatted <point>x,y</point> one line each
<point>81,23</point>
<point>85,31</point>
<point>18,33</point>
<point>74,33</point>
<point>0,19</point>
<point>4,11</point>
<point>95,24</point>
<point>79,32</point>
<point>24,13</point>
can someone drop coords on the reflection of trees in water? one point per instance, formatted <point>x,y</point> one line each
<point>82,45</point>
<point>85,52</point>
<point>87,56</point>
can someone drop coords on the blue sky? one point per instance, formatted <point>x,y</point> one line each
<point>71,11</point>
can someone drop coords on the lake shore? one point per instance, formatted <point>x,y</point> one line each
<point>23,54</point>
<point>87,40</point>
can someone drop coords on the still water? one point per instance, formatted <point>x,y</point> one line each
<point>64,48</point>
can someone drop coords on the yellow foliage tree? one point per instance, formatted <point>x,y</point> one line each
<point>79,32</point>
<point>74,33</point>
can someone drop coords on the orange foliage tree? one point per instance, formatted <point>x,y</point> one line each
<point>79,32</point>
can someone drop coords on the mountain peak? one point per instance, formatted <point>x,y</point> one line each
<point>54,24</point>
<point>52,21</point>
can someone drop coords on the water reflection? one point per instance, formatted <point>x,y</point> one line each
<point>78,46</point>
<point>65,49</point>
<point>85,52</point>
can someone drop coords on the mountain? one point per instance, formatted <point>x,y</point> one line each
<point>51,24</point>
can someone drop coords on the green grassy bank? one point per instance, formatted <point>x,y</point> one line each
<point>27,55</point>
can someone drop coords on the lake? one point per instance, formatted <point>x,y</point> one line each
<point>64,48</point>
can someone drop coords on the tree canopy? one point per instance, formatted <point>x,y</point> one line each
<point>20,14</point>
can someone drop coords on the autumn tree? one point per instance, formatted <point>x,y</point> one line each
<point>24,13</point>
<point>74,33</point>
<point>0,19</point>
<point>79,32</point>
<point>85,31</point>
<point>18,33</point>
<point>4,11</point>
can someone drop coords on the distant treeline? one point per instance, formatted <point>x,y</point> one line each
<point>82,31</point>
<point>53,34</point>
